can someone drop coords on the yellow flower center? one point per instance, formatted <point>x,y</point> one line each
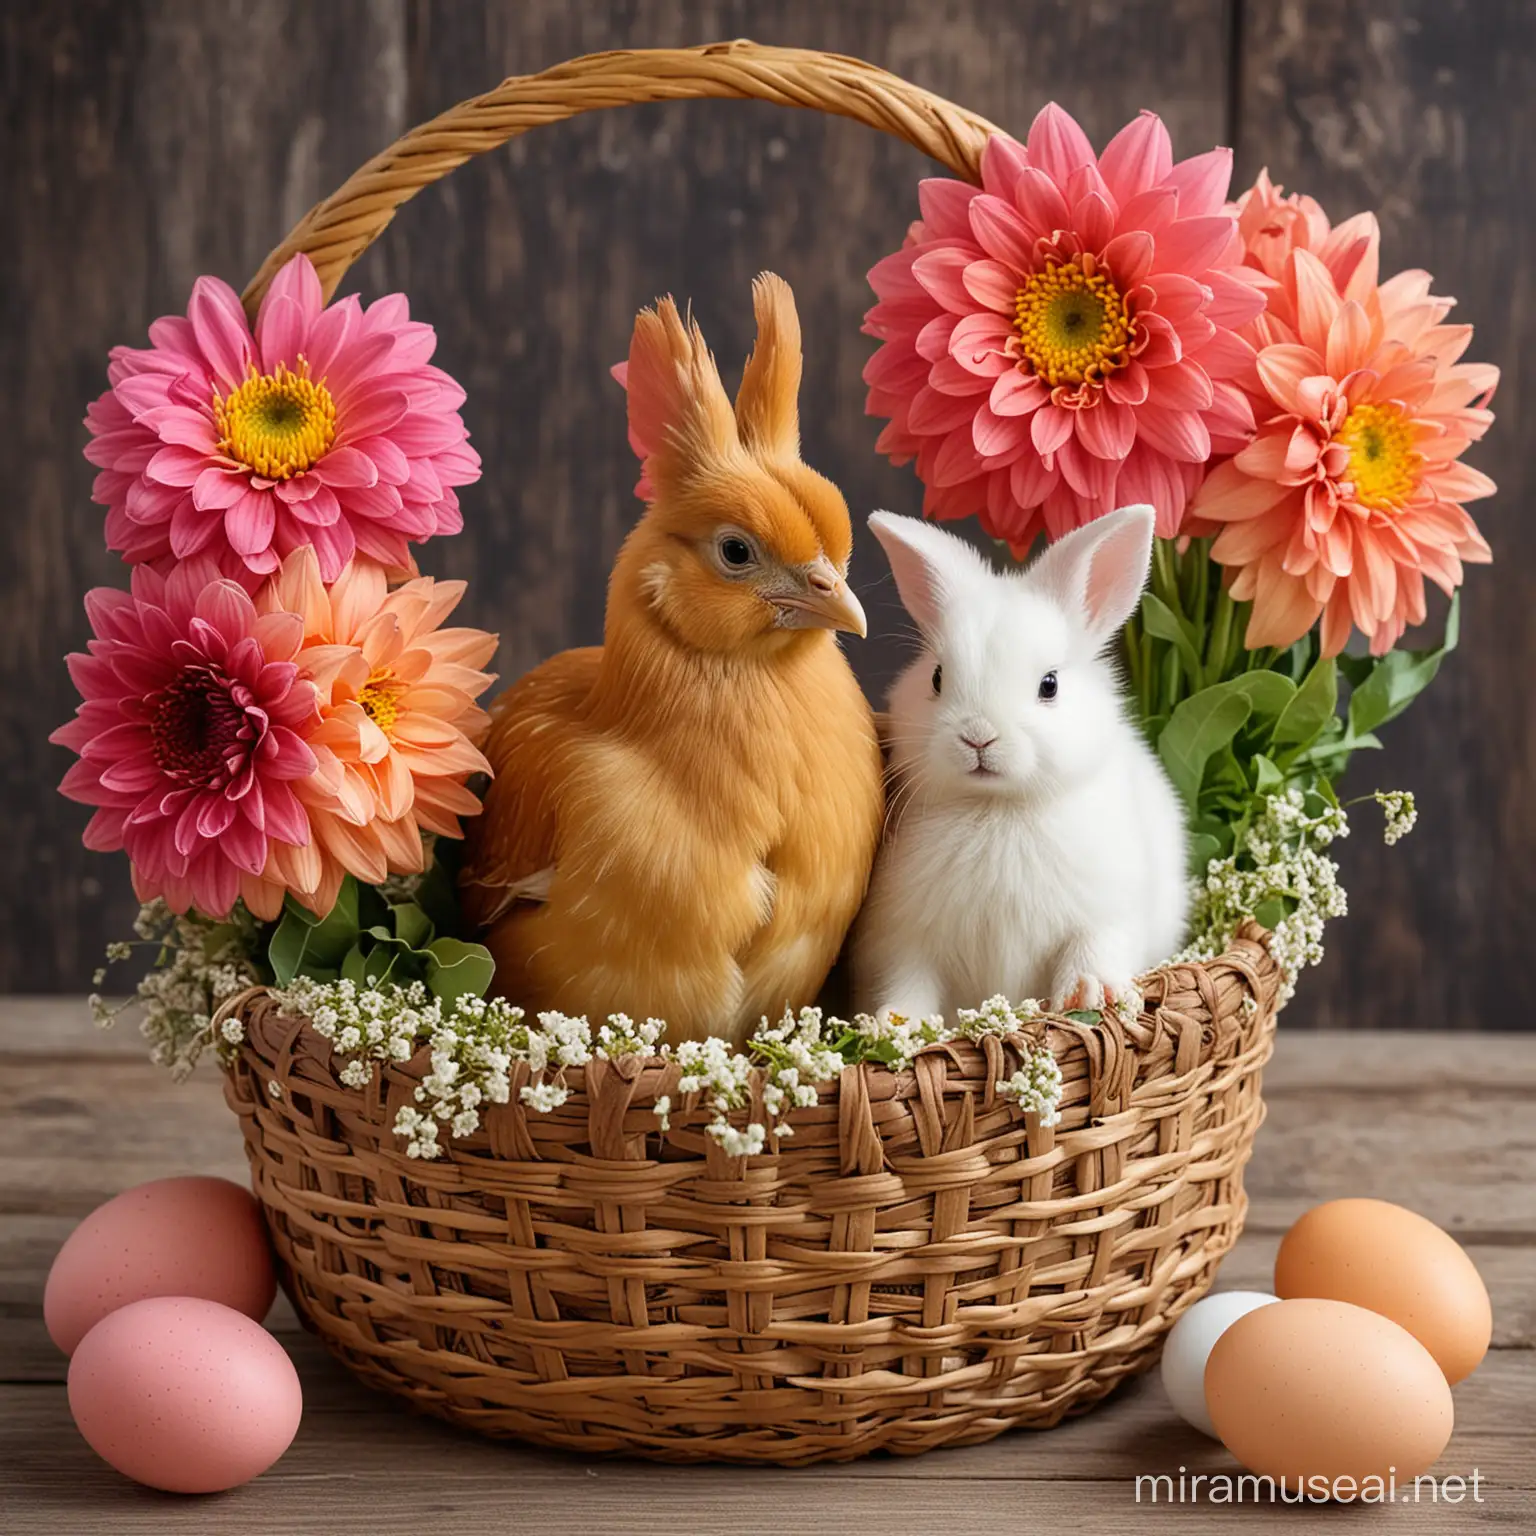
<point>1383,463</point>
<point>1072,328</point>
<point>380,700</point>
<point>277,424</point>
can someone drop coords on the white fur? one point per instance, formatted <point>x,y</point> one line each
<point>1060,872</point>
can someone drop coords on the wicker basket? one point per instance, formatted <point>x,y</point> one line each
<point>920,1265</point>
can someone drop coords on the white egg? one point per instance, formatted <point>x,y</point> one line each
<point>1190,1344</point>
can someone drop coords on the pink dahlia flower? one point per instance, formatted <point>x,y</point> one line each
<point>1352,492</point>
<point>1062,339</point>
<point>328,427</point>
<point>191,737</point>
<point>398,722</point>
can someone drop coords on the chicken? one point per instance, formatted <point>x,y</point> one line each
<point>682,820</point>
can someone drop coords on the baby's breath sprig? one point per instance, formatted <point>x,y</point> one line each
<point>1282,874</point>
<point>198,965</point>
<point>1401,811</point>
<point>473,1044</point>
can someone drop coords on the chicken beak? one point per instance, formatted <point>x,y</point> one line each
<point>825,602</point>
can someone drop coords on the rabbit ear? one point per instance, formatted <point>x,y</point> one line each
<point>679,414</point>
<point>767,404</point>
<point>932,568</point>
<point>1098,571</point>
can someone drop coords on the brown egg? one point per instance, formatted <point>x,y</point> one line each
<point>1392,1261</point>
<point>1306,1390</point>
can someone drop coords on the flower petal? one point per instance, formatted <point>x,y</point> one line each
<point>280,331</point>
<point>1202,182</point>
<point>1056,145</point>
<point>218,322</point>
<point>1138,157</point>
<point>1107,429</point>
<point>1191,245</point>
<point>1001,233</point>
<point>1282,367</point>
<point>993,285</point>
<point>248,522</point>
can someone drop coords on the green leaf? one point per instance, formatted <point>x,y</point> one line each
<point>285,949</point>
<point>1199,727</point>
<point>1298,659</point>
<point>437,895</point>
<point>330,938</point>
<point>457,969</point>
<point>1313,706</point>
<point>381,965</point>
<point>354,967</point>
<point>1269,693</point>
<point>1267,778</point>
<point>1225,779</point>
<point>1160,620</point>
<point>1085,1015</point>
<point>1355,668</point>
<point>1267,914</point>
<point>1399,677</point>
<point>413,926</point>
<point>1203,847</point>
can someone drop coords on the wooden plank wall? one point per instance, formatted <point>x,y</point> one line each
<point>146,141</point>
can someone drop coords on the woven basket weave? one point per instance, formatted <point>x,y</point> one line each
<point>920,1265</point>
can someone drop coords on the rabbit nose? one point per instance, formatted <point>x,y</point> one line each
<point>970,740</point>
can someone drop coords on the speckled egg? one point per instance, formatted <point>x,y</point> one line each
<point>191,1236</point>
<point>1306,1390</point>
<point>1395,1262</point>
<point>184,1394</point>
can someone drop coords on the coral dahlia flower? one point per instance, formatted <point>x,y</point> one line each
<point>1352,492</point>
<point>191,737</point>
<point>1272,225</point>
<point>398,721</point>
<point>1062,339</point>
<point>326,427</point>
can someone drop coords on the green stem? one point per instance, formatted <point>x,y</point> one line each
<point>1229,666</point>
<point>1132,641</point>
<point>1216,650</point>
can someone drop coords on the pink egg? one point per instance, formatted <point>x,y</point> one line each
<point>184,1394</point>
<point>175,1237</point>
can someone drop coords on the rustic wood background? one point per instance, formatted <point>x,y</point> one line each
<point>147,141</point>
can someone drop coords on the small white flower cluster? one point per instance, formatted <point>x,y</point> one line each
<point>1036,1086</point>
<point>1283,859</point>
<point>1401,812</point>
<point>199,965</point>
<point>474,1043</point>
<point>471,1046</point>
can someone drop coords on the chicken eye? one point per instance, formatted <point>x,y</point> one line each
<point>938,679</point>
<point>1048,686</point>
<point>735,552</point>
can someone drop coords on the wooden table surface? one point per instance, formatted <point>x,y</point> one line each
<point>1441,1123</point>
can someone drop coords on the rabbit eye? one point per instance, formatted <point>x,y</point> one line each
<point>938,680</point>
<point>1048,686</point>
<point>735,551</point>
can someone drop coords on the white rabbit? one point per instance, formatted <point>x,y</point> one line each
<point>1035,846</point>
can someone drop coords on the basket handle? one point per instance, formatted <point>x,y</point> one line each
<point>335,232</point>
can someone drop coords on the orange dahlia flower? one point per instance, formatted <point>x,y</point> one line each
<point>1353,490</point>
<point>399,723</point>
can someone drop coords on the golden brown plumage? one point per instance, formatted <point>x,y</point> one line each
<point>683,819</point>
